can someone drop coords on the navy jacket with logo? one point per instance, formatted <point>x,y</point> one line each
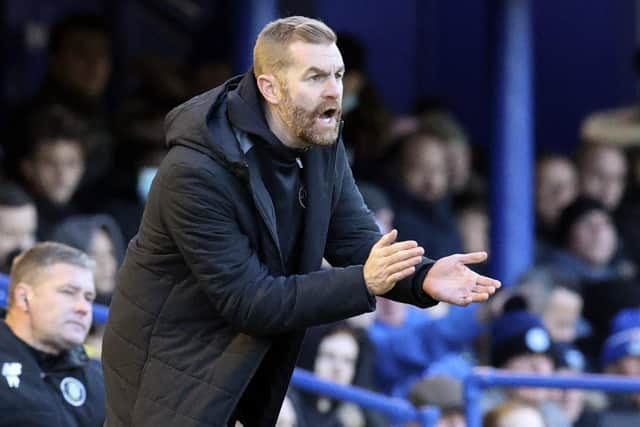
<point>42,390</point>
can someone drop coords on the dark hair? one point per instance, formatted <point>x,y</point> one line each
<point>55,122</point>
<point>76,22</point>
<point>396,151</point>
<point>11,194</point>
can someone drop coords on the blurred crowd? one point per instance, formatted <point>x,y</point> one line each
<point>76,167</point>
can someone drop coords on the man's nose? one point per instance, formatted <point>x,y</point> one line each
<point>333,88</point>
<point>83,306</point>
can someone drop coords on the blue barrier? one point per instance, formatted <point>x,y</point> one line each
<point>482,378</point>
<point>100,312</point>
<point>399,410</point>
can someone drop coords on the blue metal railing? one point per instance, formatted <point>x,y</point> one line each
<point>482,378</point>
<point>398,410</point>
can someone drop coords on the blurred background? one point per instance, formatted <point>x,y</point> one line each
<point>510,126</point>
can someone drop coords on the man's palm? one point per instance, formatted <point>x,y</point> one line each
<point>450,280</point>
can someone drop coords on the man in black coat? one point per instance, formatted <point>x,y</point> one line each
<point>224,275</point>
<point>47,379</point>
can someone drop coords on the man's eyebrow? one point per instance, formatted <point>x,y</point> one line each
<point>75,288</point>
<point>69,285</point>
<point>321,71</point>
<point>316,70</point>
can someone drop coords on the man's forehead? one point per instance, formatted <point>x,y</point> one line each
<point>323,56</point>
<point>67,274</point>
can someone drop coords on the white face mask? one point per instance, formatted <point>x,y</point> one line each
<point>145,178</point>
<point>349,102</point>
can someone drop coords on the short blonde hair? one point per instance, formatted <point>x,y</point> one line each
<point>270,53</point>
<point>29,264</point>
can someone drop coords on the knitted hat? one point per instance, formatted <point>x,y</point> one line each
<point>625,337</point>
<point>517,332</point>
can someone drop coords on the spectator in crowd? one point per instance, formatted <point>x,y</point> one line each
<point>366,119</point>
<point>78,72</point>
<point>590,249</point>
<point>621,356</point>
<point>48,379</point>
<point>629,210</point>
<point>578,405</point>
<point>556,186</point>
<point>333,353</point>
<point>603,173</point>
<point>514,413</point>
<point>520,343</point>
<point>458,153</point>
<point>420,195</point>
<point>18,223</point>
<point>408,341</point>
<point>621,351</point>
<point>602,301</point>
<point>443,392</point>
<point>54,165</point>
<point>99,237</point>
<point>557,305</point>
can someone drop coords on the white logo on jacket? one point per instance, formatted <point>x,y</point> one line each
<point>12,372</point>
<point>73,391</point>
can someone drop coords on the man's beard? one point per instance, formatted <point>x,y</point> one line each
<point>304,124</point>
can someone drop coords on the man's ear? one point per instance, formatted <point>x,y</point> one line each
<point>269,87</point>
<point>21,296</point>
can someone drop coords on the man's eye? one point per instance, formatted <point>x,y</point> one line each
<point>315,77</point>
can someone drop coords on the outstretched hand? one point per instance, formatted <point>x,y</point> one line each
<point>450,280</point>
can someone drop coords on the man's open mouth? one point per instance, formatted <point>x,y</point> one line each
<point>328,115</point>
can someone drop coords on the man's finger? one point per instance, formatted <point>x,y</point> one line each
<point>472,258</point>
<point>479,297</point>
<point>484,289</point>
<point>399,266</point>
<point>397,247</point>
<point>387,239</point>
<point>487,281</point>
<point>403,255</point>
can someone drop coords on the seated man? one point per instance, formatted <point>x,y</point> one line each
<point>47,378</point>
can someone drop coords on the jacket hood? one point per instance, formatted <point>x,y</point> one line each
<point>203,123</point>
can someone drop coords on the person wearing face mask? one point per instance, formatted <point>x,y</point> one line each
<point>47,379</point>
<point>223,276</point>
